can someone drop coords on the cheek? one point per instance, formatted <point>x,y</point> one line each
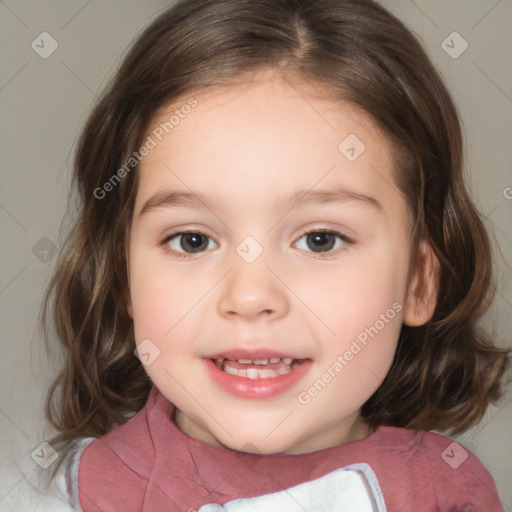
<point>163,312</point>
<point>362,304</point>
<point>366,317</point>
<point>168,304</point>
<point>354,296</point>
<point>156,306</point>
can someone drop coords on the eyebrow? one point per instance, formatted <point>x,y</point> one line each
<point>300,198</point>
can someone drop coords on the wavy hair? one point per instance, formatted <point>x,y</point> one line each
<point>445,372</point>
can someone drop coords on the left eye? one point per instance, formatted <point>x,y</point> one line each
<point>324,241</point>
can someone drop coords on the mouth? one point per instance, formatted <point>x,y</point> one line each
<point>256,374</point>
<point>255,369</point>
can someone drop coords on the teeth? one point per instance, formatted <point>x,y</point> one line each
<point>284,369</point>
<point>256,373</point>
<point>262,362</point>
<point>234,371</point>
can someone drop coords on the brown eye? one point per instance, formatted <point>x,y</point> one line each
<point>322,241</point>
<point>188,243</point>
<point>193,241</point>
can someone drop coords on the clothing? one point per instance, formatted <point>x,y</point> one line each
<point>31,490</point>
<point>149,465</point>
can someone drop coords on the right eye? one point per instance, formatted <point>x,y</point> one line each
<point>185,243</point>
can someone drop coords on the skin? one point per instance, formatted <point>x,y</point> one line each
<point>251,145</point>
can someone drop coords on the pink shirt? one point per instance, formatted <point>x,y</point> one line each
<point>149,465</point>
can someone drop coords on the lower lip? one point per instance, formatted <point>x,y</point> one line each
<point>256,388</point>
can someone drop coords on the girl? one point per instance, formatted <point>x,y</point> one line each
<point>270,294</point>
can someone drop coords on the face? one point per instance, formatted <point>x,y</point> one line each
<point>268,261</point>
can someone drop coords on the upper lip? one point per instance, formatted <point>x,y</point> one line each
<point>253,354</point>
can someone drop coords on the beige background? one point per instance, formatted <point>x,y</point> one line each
<point>45,102</point>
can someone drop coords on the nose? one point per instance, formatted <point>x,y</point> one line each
<point>251,291</point>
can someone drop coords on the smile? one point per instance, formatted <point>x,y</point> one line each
<point>256,375</point>
<point>258,368</point>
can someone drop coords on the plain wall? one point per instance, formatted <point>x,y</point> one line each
<point>45,101</point>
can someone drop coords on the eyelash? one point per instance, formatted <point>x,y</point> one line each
<point>164,243</point>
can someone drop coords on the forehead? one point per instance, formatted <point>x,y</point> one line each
<point>269,104</point>
<point>262,137</point>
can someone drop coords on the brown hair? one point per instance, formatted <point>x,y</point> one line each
<point>446,372</point>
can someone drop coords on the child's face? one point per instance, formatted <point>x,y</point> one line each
<point>251,285</point>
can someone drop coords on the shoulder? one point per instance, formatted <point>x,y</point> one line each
<point>106,476</point>
<point>128,445</point>
<point>37,491</point>
<point>433,467</point>
<point>459,472</point>
<point>117,467</point>
<point>66,478</point>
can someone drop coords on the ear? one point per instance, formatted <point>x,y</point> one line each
<point>421,299</point>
